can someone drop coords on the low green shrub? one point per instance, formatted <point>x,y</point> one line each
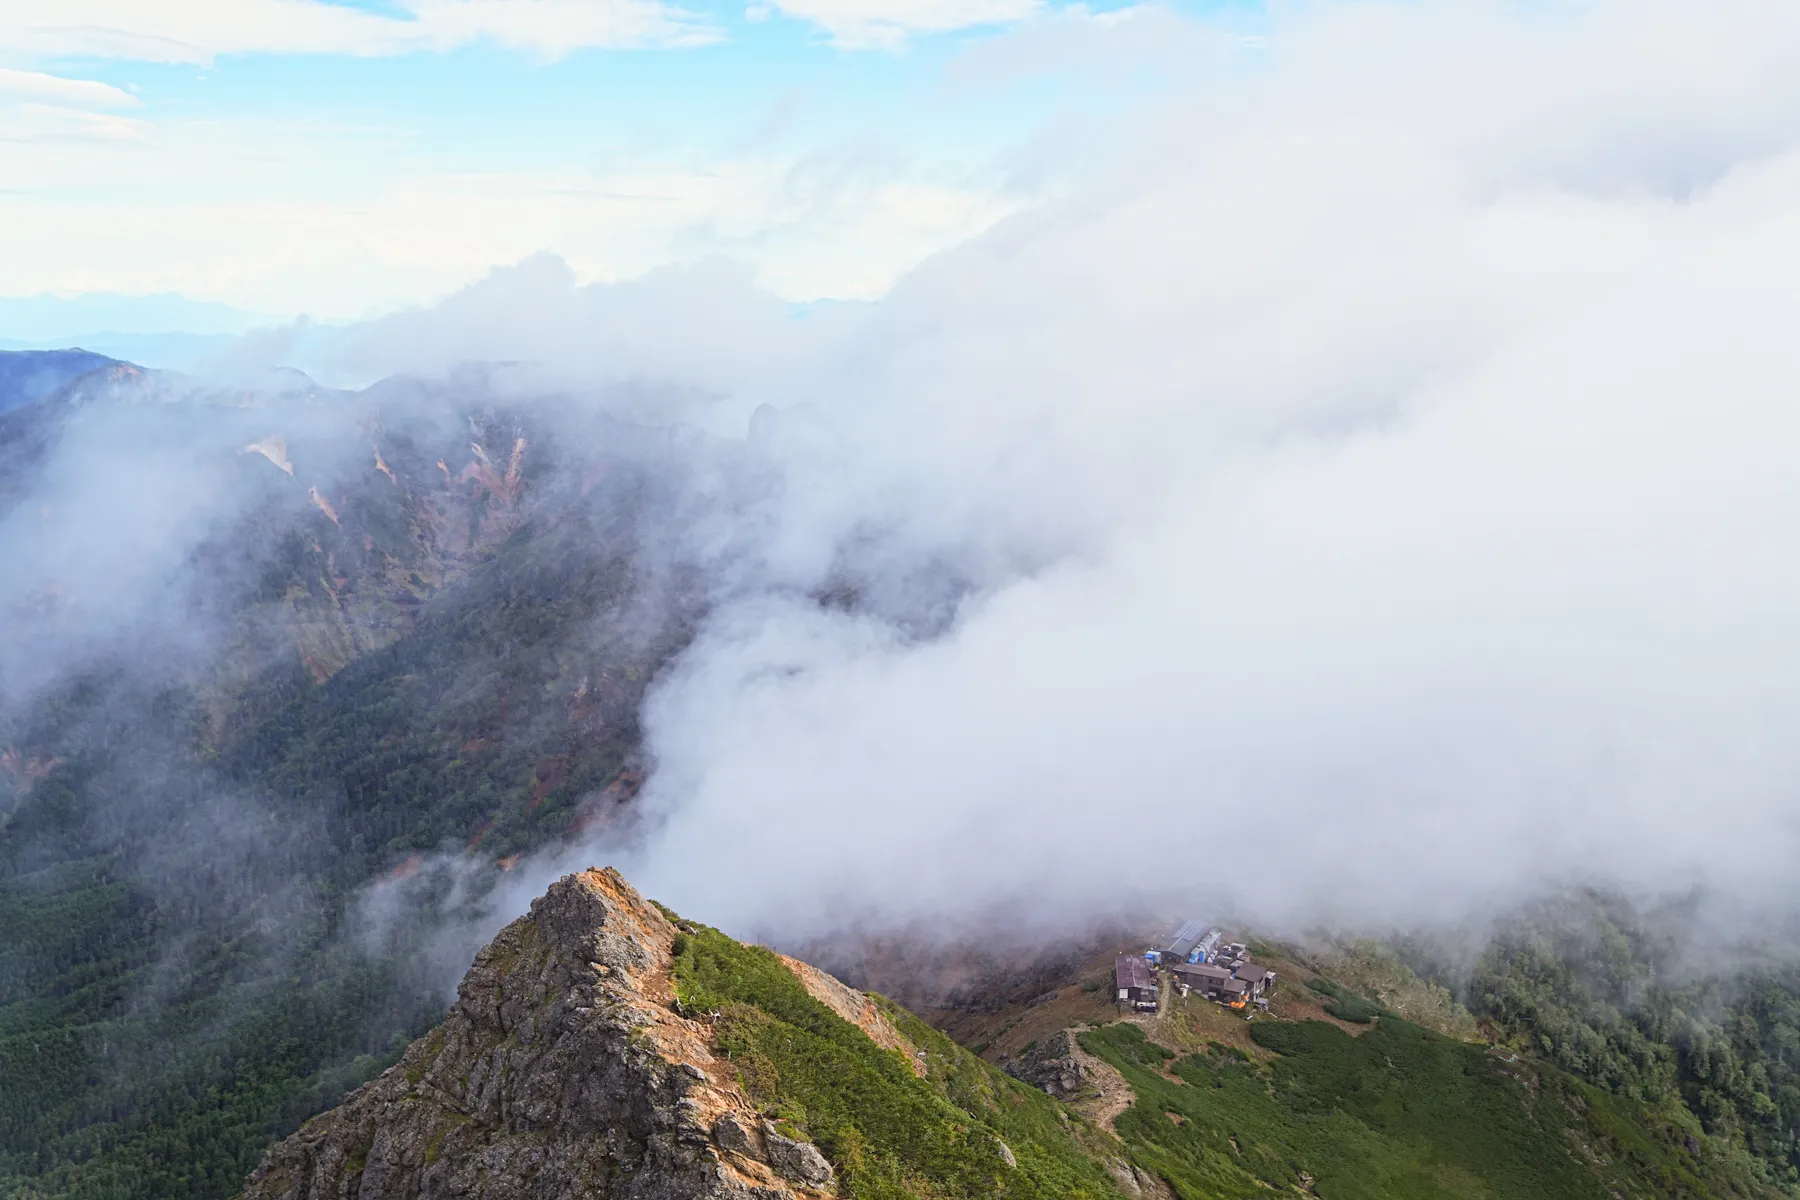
<point>889,1133</point>
<point>1345,1004</point>
<point>1395,1113</point>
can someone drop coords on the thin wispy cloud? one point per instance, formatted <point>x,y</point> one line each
<point>50,123</point>
<point>79,93</point>
<point>858,24</point>
<point>201,31</point>
<point>41,108</point>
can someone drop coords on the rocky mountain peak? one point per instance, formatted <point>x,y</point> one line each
<point>563,1069</point>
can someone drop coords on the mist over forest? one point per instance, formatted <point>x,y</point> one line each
<point>1374,465</point>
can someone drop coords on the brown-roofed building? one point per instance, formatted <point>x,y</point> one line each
<point>1257,979</point>
<point>1134,983</point>
<point>1236,985</point>
<point>1202,977</point>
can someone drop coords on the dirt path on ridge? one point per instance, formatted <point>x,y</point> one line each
<point>1113,1096</point>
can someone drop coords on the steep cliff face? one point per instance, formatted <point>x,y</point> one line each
<point>563,1069</point>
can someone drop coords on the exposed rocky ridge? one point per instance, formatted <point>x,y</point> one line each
<point>562,1070</point>
<point>1053,1065</point>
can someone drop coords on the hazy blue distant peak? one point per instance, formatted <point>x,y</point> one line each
<point>161,351</point>
<point>28,376</point>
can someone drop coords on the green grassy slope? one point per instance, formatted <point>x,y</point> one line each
<point>891,1133</point>
<point>1397,1112</point>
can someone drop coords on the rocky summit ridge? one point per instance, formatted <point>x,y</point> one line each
<point>563,1069</point>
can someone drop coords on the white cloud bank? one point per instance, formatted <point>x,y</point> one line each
<point>1378,489</point>
<point>1373,495</point>
<point>382,236</point>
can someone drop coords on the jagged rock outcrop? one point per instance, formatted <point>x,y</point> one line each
<point>1138,1183</point>
<point>796,1160</point>
<point>1051,1064</point>
<point>561,1071</point>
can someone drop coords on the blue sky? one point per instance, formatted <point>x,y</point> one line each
<point>296,156</point>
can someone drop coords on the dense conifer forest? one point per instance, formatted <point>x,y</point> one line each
<point>399,696</point>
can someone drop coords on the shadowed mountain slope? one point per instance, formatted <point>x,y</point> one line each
<point>27,376</point>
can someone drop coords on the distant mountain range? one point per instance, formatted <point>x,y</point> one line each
<point>29,376</point>
<point>167,331</point>
<point>172,351</point>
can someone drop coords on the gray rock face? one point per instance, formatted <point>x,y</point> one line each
<point>732,1134</point>
<point>561,1071</point>
<point>1051,1065</point>
<point>796,1160</point>
<point>1136,1182</point>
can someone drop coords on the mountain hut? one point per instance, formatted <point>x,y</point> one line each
<point>1183,945</point>
<point>1134,983</point>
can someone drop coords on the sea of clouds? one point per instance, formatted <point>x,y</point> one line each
<point>1369,494</point>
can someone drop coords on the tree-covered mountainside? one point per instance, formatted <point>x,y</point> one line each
<point>418,659</point>
<point>1652,1007</point>
<point>184,974</point>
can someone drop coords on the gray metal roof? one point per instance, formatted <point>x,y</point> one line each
<point>1185,939</point>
